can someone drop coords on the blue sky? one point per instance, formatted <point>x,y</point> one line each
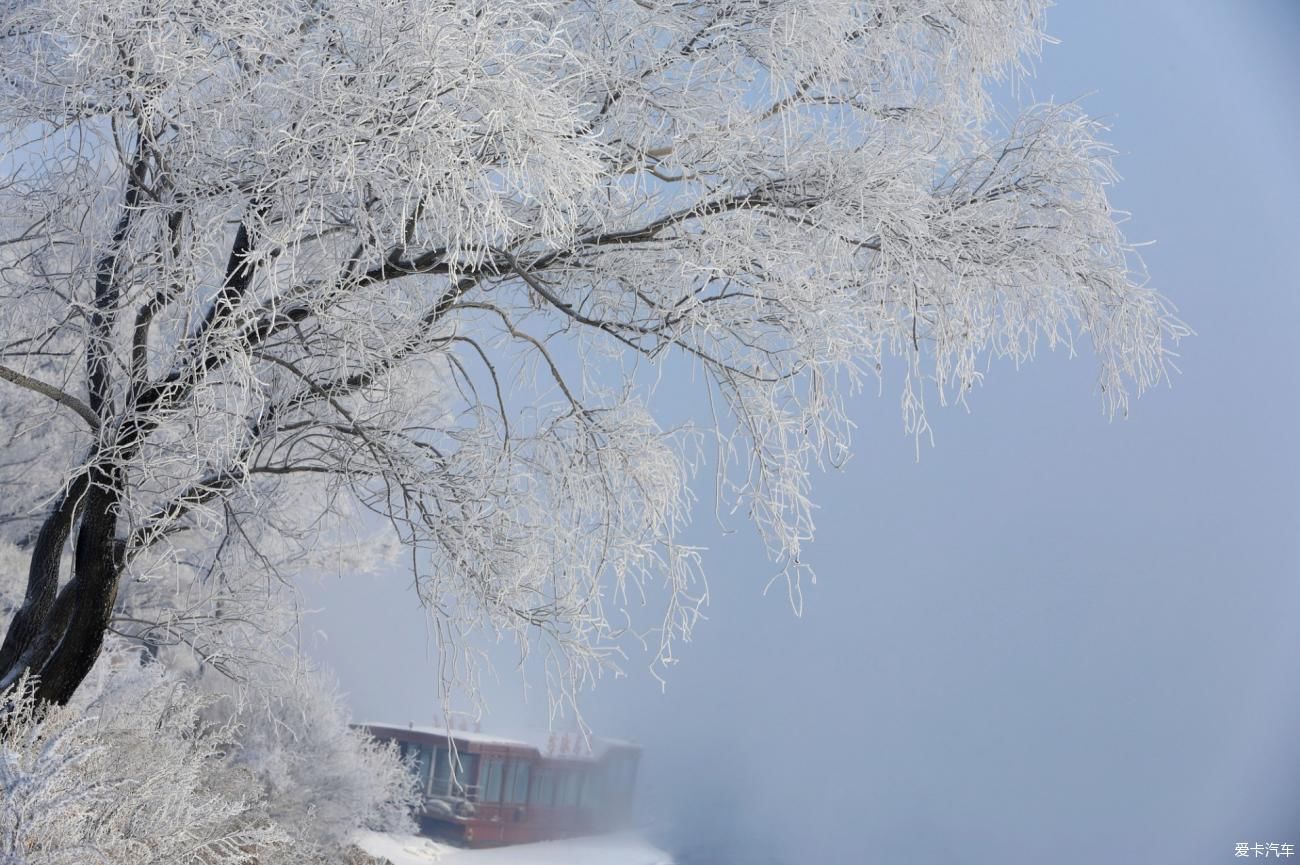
<point>1054,638</point>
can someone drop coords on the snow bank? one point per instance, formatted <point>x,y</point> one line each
<point>401,849</point>
<point>597,850</point>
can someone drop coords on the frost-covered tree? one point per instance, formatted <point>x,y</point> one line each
<point>265,261</point>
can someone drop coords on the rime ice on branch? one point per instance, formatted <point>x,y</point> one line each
<point>262,262</point>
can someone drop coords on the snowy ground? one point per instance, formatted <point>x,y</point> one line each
<point>598,850</point>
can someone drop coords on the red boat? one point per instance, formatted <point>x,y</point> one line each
<point>485,791</point>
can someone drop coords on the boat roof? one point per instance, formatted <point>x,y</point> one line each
<point>553,746</point>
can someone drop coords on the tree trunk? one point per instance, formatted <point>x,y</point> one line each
<point>57,633</point>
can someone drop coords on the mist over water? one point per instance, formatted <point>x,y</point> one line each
<point>707,813</point>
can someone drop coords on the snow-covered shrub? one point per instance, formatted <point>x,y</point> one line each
<point>137,781</point>
<point>320,779</point>
<point>271,762</point>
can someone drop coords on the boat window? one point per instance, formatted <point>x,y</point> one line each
<point>518,788</point>
<point>441,773</point>
<point>563,784</point>
<point>423,757</point>
<point>492,771</point>
<point>464,773</point>
<point>593,787</point>
<point>543,788</point>
<point>569,783</point>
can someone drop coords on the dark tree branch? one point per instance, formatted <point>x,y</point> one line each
<point>48,390</point>
<point>108,293</point>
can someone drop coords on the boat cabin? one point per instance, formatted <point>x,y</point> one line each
<point>485,791</point>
